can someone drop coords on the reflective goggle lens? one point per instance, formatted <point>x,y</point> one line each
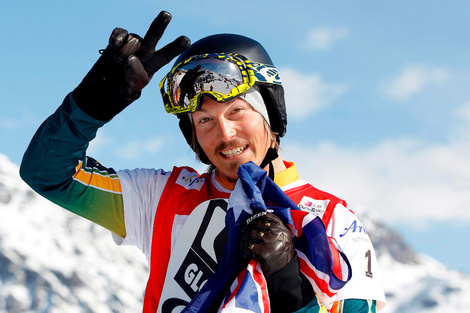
<point>219,77</point>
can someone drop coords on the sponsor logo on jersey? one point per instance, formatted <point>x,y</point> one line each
<point>359,239</point>
<point>195,256</point>
<point>202,259</point>
<point>354,228</point>
<point>190,180</point>
<point>317,207</point>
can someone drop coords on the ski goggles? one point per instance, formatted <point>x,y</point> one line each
<point>220,76</point>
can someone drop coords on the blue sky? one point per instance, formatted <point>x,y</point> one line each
<point>377,96</point>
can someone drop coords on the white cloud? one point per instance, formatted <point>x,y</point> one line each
<point>101,143</point>
<point>323,37</point>
<point>127,150</point>
<point>308,93</point>
<point>9,124</point>
<point>464,113</point>
<point>20,122</point>
<point>411,80</point>
<point>132,150</point>
<point>402,179</point>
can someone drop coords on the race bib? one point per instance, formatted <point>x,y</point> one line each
<point>195,255</point>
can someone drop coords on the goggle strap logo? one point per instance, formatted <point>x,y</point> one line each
<point>266,73</point>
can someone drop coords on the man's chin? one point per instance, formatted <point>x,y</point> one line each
<point>231,174</point>
<point>232,180</point>
<point>226,177</point>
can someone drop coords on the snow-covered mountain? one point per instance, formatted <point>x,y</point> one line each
<point>54,261</point>
<point>412,282</point>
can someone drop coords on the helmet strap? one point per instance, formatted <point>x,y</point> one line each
<point>271,155</point>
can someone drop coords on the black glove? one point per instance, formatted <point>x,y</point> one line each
<point>125,68</point>
<point>267,240</point>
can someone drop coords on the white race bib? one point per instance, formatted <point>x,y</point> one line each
<point>195,255</point>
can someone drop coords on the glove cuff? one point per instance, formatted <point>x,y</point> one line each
<point>99,94</point>
<point>289,290</point>
<point>101,107</point>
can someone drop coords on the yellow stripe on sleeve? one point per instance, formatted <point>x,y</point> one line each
<point>97,180</point>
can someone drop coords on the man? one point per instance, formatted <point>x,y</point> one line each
<point>177,218</point>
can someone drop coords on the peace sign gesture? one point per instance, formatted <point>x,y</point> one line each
<point>139,56</point>
<point>125,68</point>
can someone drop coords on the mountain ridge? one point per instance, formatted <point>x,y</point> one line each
<point>53,261</point>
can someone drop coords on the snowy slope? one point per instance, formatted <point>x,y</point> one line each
<point>53,261</point>
<point>415,283</point>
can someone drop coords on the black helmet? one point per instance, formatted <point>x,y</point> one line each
<point>273,94</point>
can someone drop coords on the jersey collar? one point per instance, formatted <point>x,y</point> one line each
<point>287,176</point>
<point>283,178</point>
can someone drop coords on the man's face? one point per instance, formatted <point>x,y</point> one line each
<point>230,133</point>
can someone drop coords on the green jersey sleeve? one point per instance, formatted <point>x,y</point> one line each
<point>55,165</point>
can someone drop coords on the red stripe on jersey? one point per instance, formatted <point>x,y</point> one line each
<point>179,197</point>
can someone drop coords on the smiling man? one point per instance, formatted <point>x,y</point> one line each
<point>232,134</point>
<point>228,97</point>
